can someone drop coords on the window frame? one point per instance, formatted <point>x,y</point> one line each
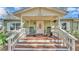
<point>9,25</point>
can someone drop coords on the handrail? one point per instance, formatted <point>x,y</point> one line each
<point>69,40</point>
<point>13,39</point>
<point>68,34</point>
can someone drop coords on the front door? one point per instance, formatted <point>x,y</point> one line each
<point>40,27</point>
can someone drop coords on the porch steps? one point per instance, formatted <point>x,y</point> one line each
<point>39,48</point>
<point>40,44</point>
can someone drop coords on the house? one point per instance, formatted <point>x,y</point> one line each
<point>35,20</point>
<point>70,24</point>
<point>41,27</point>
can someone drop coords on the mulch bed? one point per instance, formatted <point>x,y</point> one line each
<point>5,48</point>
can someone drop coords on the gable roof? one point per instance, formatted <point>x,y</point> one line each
<point>50,8</point>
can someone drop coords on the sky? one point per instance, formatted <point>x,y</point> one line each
<point>72,12</point>
<point>6,10</point>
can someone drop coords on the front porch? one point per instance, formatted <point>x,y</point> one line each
<point>39,24</point>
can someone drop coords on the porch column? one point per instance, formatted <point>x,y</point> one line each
<point>21,22</point>
<point>29,27</point>
<point>59,24</point>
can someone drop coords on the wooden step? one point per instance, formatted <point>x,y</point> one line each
<point>22,46</point>
<point>47,41</point>
<point>39,49</point>
<point>40,43</point>
<point>40,38</point>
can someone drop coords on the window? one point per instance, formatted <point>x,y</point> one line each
<point>64,25</point>
<point>14,26</point>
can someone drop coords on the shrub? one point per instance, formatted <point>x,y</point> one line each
<point>2,38</point>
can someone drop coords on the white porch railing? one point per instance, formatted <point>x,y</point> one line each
<point>13,39</point>
<point>69,40</point>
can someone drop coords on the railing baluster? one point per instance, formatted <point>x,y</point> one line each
<point>13,39</point>
<point>9,45</point>
<point>69,40</point>
<point>73,45</point>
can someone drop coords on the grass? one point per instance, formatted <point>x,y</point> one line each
<point>76,34</point>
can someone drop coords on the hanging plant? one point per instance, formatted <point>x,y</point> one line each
<point>54,21</point>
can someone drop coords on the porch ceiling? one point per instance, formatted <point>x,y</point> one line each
<point>40,18</point>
